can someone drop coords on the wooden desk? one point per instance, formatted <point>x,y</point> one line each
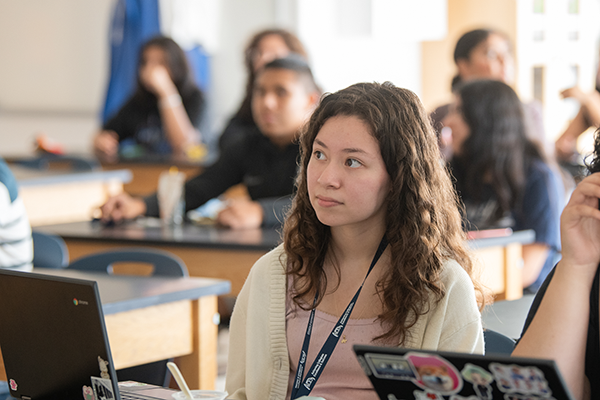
<point>154,318</point>
<point>207,251</point>
<point>229,254</point>
<point>52,197</point>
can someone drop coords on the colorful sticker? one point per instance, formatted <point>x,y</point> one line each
<point>481,380</point>
<point>435,374</point>
<point>390,367</point>
<point>525,380</point>
<point>103,389</point>
<point>426,395</point>
<point>13,385</point>
<point>88,393</point>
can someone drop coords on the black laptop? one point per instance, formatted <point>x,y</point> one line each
<point>434,375</point>
<point>54,342</point>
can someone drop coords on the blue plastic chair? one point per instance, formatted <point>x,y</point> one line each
<point>164,263</point>
<point>49,251</point>
<point>497,343</point>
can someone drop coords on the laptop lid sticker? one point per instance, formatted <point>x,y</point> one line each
<point>515,379</point>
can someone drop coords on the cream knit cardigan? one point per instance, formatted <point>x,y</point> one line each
<point>258,365</point>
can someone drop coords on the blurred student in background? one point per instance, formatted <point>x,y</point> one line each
<point>264,46</point>
<point>16,247</point>
<point>265,159</point>
<point>163,115</point>
<point>486,54</point>
<point>587,117</point>
<point>502,176</point>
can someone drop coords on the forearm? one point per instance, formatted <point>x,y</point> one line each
<point>176,124</point>
<point>559,328</point>
<point>591,108</point>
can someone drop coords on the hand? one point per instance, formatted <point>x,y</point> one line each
<point>157,80</point>
<point>106,146</point>
<point>241,214</point>
<point>122,206</point>
<point>574,93</point>
<point>580,228</point>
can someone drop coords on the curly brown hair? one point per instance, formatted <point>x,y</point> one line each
<point>423,223</point>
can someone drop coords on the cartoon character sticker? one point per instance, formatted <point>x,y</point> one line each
<point>103,368</point>
<point>435,374</point>
<point>13,385</point>
<point>517,379</point>
<point>88,393</point>
<point>481,380</point>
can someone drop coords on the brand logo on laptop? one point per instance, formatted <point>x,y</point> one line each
<point>80,302</point>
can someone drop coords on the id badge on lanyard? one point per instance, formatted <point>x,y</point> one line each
<point>304,385</point>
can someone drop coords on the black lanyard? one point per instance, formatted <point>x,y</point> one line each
<point>304,387</point>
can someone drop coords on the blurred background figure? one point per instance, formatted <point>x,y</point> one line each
<point>265,46</point>
<point>16,246</point>
<point>502,176</point>
<point>587,117</point>
<point>163,115</point>
<point>485,54</point>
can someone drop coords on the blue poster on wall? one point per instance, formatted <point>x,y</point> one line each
<point>133,23</point>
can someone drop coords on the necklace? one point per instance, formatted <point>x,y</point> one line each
<point>365,306</point>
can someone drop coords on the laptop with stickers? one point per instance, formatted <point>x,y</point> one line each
<point>434,375</point>
<point>54,343</point>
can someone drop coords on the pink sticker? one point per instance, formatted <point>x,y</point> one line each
<point>13,385</point>
<point>88,393</point>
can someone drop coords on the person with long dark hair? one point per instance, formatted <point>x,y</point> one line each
<point>265,160</point>
<point>502,176</point>
<point>163,115</point>
<point>374,239</point>
<point>563,320</point>
<point>264,46</point>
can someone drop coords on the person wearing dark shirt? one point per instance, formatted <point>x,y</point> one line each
<point>163,115</point>
<point>502,176</point>
<point>563,320</point>
<point>284,96</point>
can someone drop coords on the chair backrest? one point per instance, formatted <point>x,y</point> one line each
<point>497,343</point>
<point>164,263</point>
<point>49,251</point>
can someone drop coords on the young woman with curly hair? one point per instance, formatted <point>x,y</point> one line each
<point>370,183</point>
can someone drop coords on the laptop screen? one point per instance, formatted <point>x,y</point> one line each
<point>53,338</point>
<point>431,375</point>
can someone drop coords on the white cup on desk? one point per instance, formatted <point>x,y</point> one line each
<point>170,196</point>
